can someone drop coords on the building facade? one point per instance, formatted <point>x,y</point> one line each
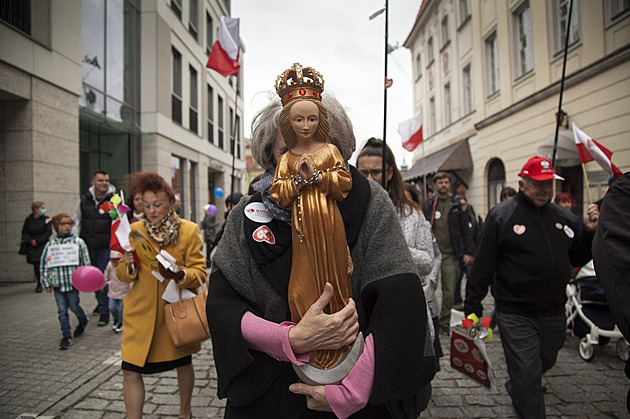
<point>502,64</point>
<point>119,86</point>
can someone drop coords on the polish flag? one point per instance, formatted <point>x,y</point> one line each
<point>590,150</point>
<point>225,51</point>
<point>411,131</point>
<point>119,240</point>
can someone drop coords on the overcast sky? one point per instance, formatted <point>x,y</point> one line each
<point>336,38</point>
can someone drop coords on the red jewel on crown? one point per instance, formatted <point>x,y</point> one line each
<point>315,93</point>
<point>289,95</point>
<point>302,92</point>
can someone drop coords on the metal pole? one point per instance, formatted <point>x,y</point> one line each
<point>232,133</point>
<point>384,178</point>
<point>564,69</point>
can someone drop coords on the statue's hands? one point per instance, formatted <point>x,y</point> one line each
<point>305,168</point>
<point>318,330</point>
<point>315,397</point>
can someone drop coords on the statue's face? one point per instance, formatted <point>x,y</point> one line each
<point>304,116</point>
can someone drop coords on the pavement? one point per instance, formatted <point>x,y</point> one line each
<point>37,380</point>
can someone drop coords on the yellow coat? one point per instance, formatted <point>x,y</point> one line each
<point>144,332</point>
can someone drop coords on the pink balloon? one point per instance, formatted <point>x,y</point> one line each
<point>212,209</point>
<point>88,278</point>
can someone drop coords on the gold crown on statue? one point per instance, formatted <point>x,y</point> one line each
<point>299,83</point>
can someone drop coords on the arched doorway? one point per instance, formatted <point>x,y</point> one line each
<point>496,182</point>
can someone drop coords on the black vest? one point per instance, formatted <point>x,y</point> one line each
<point>95,227</point>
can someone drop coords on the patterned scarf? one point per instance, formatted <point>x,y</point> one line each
<point>166,231</point>
<point>262,186</point>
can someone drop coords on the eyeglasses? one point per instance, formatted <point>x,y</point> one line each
<point>374,172</point>
<point>66,224</point>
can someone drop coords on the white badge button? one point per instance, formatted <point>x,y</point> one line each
<point>438,215</point>
<point>567,230</point>
<point>257,212</point>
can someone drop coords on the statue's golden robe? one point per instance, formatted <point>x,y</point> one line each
<point>321,255</point>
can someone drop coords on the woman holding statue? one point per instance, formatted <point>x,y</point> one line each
<point>263,322</point>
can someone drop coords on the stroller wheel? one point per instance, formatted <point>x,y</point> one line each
<point>623,349</point>
<point>585,349</point>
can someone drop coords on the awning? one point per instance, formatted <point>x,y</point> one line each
<point>453,157</point>
<point>566,153</point>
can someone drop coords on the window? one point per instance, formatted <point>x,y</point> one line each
<point>209,40</point>
<point>447,104</point>
<point>210,114</point>
<point>192,183</point>
<point>232,132</point>
<point>238,137</point>
<point>176,102</point>
<point>446,36</point>
<point>467,90</point>
<point>430,50</point>
<point>464,10</point>
<point>176,6</point>
<point>560,14</point>
<point>177,180</point>
<point>522,26</point>
<point>418,66</point>
<point>220,106</point>
<point>615,10</point>
<point>193,18</point>
<point>433,126</point>
<point>192,115</point>
<point>32,17</point>
<point>492,64</point>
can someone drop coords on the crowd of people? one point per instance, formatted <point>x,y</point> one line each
<point>335,258</point>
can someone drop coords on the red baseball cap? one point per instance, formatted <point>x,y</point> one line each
<point>539,168</point>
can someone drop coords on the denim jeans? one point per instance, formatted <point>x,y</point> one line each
<point>116,308</point>
<point>64,301</point>
<point>99,258</point>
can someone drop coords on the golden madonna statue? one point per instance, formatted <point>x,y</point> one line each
<point>310,178</point>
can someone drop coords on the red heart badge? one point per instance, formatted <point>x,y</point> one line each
<point>519,229</point>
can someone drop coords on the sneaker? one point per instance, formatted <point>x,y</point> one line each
<point>95,312</point>
<point>118,328</point>
<point>103,320</point>
<point>65,343</point>
<point>79,330</point>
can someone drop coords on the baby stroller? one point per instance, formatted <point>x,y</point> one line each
<point>589,316</point>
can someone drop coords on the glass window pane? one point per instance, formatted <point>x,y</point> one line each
<point>93,43</point>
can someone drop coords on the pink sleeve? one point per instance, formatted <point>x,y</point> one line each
<point>271,338</point>
<point>355,390</point>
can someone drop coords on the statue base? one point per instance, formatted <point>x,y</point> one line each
<point>315,376</point>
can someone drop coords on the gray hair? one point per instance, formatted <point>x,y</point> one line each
<point>265,127</point>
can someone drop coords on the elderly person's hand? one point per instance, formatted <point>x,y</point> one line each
<point>318,330</point>
<point>315,397</point>
<point>591,219</point>
<point>168,274</point>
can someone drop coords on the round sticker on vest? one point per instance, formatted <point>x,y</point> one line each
<point>519,229</point>
<point>257,212</point>
<point>567,230</point>
<point>558,226</point>
<point>438,215</point>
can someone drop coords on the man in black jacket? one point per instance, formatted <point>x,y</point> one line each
<point>94,227</point>
<point>453,233</point>
<point>527,247</point>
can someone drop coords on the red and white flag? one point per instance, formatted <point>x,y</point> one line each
<point>225,51</point>
<point>590,150</point>
<point>411,131</point>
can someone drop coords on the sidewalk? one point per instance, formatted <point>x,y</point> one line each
<point>37,380</point>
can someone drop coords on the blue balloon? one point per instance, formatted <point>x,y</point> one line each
<point>218,192</point>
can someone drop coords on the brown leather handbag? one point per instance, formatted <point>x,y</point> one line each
<point>186,321</point>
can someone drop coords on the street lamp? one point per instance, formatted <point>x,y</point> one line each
<point>385,86</point>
